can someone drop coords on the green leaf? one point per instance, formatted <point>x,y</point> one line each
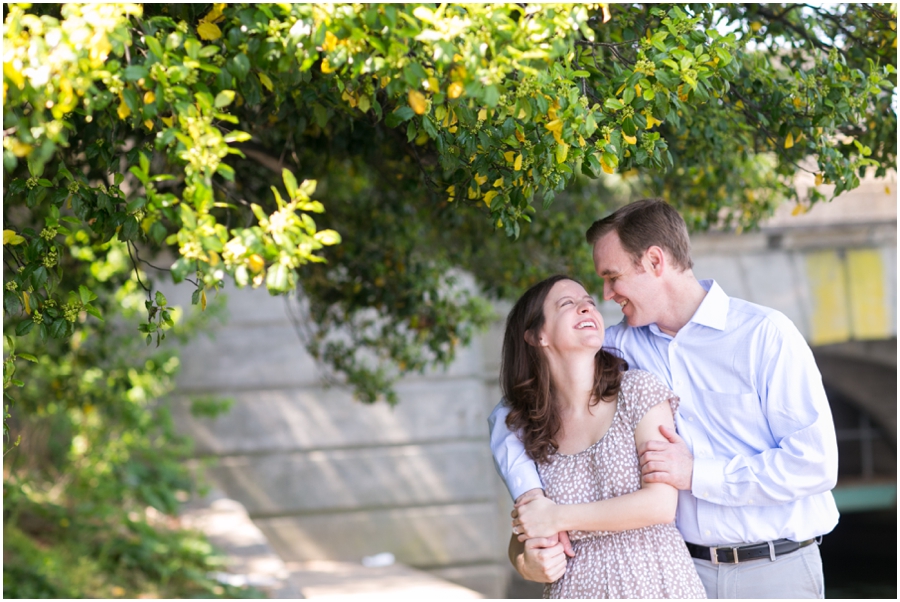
<point>614,104</point>
<point>154,46</point>
<point>224,98</point>
<point>24,327</point>
<point>290,183</point>
<point>239,66</point>
<point>85,294</point>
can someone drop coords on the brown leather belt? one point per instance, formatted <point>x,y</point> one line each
<point>757,551</point>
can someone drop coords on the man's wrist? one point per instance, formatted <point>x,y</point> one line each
<point>536,490</point>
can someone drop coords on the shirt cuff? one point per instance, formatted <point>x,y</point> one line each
<point>523,478</point>
<point>708,480</point>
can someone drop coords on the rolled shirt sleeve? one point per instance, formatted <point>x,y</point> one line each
<point>511,460</point>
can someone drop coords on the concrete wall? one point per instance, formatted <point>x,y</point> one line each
<point>326,477</point>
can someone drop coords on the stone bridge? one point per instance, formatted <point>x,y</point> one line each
<point>326,478</point>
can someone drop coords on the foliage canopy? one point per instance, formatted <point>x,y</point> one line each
<point>431,133</point>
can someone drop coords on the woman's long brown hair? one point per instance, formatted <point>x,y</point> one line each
<point>525,375</point>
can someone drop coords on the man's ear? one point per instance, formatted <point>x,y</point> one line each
<point>654,260</point>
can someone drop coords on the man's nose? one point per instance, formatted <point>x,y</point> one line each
<point>607,290</point>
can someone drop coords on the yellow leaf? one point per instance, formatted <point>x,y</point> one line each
<point>581,141</point>
<point>562,151</point>
<point>451,190</point>
<point>215,15</point>
<point>520,136</point>
<point>417,102</point>
<point>518,164</point>
<point>326,66</point>
<point>498,183</point>
<point>349,98</point>
<point>364,103</point>
<point>798,209</point>
<point>27,302</point>
<point>11,238</point>
<point>789,141</point>
<point>18,148</point>
<point>452,130</point>
<point>256,262</point>
<point>433,85</point>
<point>739,104</point>
<point>819,179</point>
<point>554,126</point>
<point>756,26</point>
<point>619,91</point>
<point>472,193</point>
<point>652,121</point>
<point>629,139</point>
<point>331,42</point>
<point>605,7</point>
<point>455,90</point>
<point>499,223</point>
<point>637,89</point>
<point>797,102</point>
<point>266,81</point>
<point>605,166</point>
<point>480,179</point>
<point>489,196</point>
<point>509,156</point>
<point>203,300</point>
<point>123,110</point>
<point>149,97</point>
<point>148,123</point>
<point>482,114</point>
<point>168,121</point>
<point>521,114</point>
<point>208,31</point>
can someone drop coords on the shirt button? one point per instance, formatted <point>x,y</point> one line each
<point>675,344</point>
<point>708,532</point>
<point>705,494</point>
<point>691,418</point>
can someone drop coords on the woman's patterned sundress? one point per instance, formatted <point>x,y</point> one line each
<point>651,562</point>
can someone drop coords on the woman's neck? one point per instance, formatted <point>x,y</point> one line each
<point>573,381</point>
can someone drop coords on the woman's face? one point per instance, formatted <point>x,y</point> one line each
<point>571,320</point>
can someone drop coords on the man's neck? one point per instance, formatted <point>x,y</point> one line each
<point>685,296</point>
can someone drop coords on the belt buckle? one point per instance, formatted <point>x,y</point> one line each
<point>714,555</point>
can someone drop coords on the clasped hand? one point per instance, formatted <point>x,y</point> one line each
<point>535,516</point>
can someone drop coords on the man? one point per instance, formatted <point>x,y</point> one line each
<point>755,457</point>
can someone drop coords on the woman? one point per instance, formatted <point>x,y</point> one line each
<point>581,415</point>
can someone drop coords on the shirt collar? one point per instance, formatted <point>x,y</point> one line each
<point>713,310</point>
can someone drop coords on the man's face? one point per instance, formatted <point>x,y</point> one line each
<point>632,286</point>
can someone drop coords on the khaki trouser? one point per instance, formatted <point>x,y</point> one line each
<point>794,575</point>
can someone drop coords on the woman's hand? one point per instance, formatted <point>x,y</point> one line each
<point>537,517</point>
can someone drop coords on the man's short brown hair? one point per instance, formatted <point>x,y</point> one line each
<point>643,224</point>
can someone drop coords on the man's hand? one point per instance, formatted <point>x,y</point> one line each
<point>668,461</point>
<point>544,560</point>
<point>531,495</point>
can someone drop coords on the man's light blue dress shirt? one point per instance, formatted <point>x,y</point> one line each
<point>753,413</point>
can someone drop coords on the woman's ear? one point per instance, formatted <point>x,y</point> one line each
<point>531,339</point>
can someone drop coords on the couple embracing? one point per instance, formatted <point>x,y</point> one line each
<point>586,440</point>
